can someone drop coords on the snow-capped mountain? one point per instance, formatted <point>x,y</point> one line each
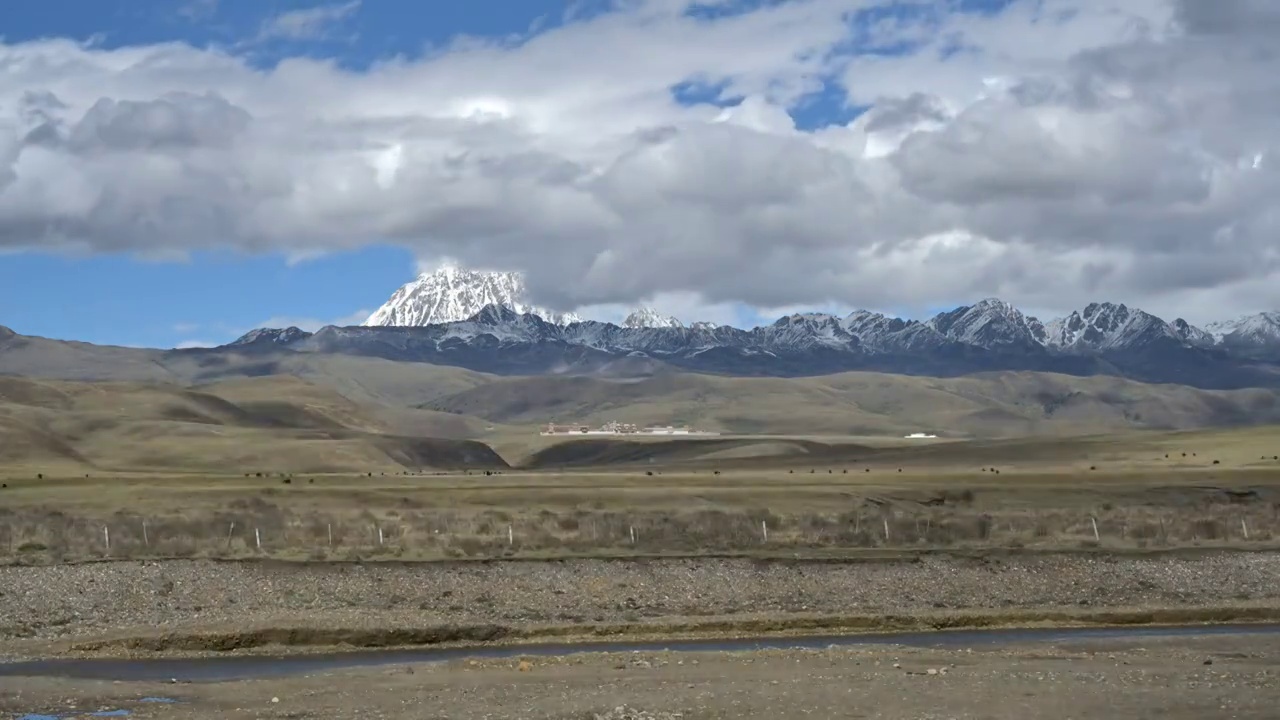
<point>647,317</point>
<point>1260,331</point>
<point>453,294</point>
<point>989,323</point>
<point>1102,338</point>
<point>1108,326</point>
<point>279,336</point>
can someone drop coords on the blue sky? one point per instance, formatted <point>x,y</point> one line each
<point>211,298</point>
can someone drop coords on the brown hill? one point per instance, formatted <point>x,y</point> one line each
<point>853,404</point>
<point>271,424</point>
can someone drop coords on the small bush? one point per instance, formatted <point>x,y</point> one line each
<point>287,481</point>
<point>1215,462</point>
<point>39,476</point>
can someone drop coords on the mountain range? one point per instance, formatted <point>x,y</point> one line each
<point>481,321</point>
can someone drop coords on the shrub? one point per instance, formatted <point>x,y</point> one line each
<point>287,481</point>
<point>1215,462</point>
<point>39,476</point>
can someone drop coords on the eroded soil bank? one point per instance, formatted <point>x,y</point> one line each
<point>363,604</point>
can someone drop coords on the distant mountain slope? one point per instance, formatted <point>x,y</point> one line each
<point>984,405</point>
<point>276,424</point>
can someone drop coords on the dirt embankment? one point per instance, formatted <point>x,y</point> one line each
<point>250,604</point>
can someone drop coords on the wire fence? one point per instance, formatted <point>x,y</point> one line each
<point>275,532</point>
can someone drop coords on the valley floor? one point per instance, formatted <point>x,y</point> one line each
<point>1169,679</point>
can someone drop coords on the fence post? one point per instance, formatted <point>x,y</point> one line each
<point>1096,537</point>
<point>330,534</point>
<point>257,538</point>
<point>379,534</point>
<point>230,530</point>
<point>1245,527</point>
<point>764,529</point>
<point>511,536</point>
<point>633,534</point>
<point>886,529</point>
<point>145,540</point>
<point>106,537</point>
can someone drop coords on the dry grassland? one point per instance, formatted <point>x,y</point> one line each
<point>1124,494</point>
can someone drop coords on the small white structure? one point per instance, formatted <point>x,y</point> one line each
<point>616,428</point>
<point>919,436</point>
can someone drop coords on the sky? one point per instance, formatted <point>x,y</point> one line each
<point>177,173</point>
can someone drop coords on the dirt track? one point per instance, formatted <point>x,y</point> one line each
<point>1221,677</point>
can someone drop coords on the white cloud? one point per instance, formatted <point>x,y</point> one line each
<point>190,344</point>
<point>309,23</point>
<point>1068,151</point>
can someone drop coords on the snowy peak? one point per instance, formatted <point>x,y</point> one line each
<point>989,323</point>
<point>803,330</point>
<point>1116,326</point>
<point>276,336</point>
<point>453,294</point>
<point>1260,330</point>
<point>874,329</point>
<point>647,317</point>
<point>1190,334</point>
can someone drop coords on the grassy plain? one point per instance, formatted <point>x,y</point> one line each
<point>752,496</point>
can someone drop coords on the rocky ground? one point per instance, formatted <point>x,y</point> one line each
<point>1170,679</point>
<point>79,601</point>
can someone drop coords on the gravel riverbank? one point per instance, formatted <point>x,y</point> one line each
<point>83,601</point>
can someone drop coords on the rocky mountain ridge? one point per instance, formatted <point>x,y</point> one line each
<point>1102,338</point>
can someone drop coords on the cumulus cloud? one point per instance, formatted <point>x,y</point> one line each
<point>1053,153</point>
